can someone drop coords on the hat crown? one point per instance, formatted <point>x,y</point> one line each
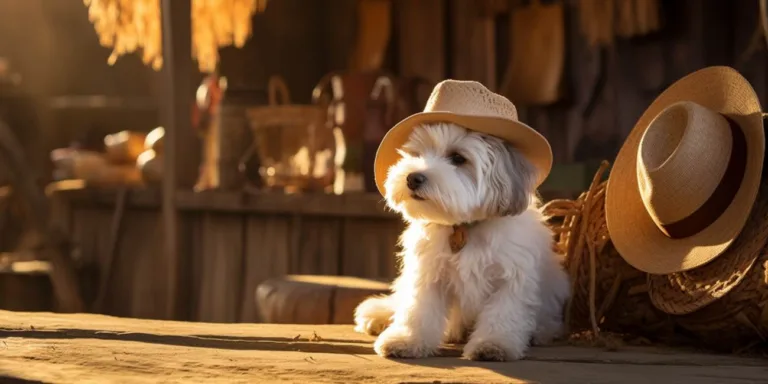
<point>469,98</point>
<point>682,158</point>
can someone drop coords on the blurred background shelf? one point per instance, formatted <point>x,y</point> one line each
<point>347,205</point>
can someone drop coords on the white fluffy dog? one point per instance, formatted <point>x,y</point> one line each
<point>504,289</point>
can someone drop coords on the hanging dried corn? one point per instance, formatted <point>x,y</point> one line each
<point>129,25</point>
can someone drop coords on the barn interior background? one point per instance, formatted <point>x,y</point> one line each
<point>178,187</point>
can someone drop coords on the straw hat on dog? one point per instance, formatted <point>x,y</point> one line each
<point>473,106</point>
<point>685,180</point>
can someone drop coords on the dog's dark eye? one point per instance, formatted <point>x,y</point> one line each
<point>456,159</point>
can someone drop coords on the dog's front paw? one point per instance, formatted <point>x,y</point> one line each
<point>484,350</point>
<point>399,342</point>
<point>373,326</point>
<point>373,315</point>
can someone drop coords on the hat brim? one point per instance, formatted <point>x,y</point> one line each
<point>531,144</point>
<point>687,292</point>
<point>635,236</point>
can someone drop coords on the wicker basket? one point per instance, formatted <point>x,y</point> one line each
<point>610,295</point>
<point>297,150</point>
<point>739,318</point>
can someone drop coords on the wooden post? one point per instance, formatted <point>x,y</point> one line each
<point>422,38</point>
<point>181,146</point>
<point>474,41</point>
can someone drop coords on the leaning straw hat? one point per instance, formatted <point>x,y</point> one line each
<point>685,180</point>
<point>472,106</point>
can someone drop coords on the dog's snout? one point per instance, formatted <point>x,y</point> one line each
<point>415,180</point>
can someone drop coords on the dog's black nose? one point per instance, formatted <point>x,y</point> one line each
<point>415,180</point>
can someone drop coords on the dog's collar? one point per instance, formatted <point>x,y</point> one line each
<point>458,238</point>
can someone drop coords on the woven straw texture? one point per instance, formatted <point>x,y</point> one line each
<point>738,319</point>
<point>686,292</point>
<point>610,295</point>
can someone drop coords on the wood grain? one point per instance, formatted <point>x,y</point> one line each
<point>422,38</point>
<point>181,153</point>
<point>369,247</point>
<point>352,204</point>
<point>222,263</point>
<point>267,254</point>
<point>141,253</point>
<point>317,249</point>
<point>91,348</point>
<point>473,48</point>
<point>313,299</point>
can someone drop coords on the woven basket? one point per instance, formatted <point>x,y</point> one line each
<point>686,292</point>
<point>724,304</point>
<point>739,319</point>
<point>296,148</point>
<point>610,295</point>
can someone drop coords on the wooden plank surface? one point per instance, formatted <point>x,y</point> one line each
<point>53,348</point>
<point>316,245</point>
<point>226,255</point>
<point>369,247</point>
<point>422,38</point>
<point>142,247</point>
<point>352,204</point>
<point>222,268</point>
<point>473,45</point>
<point>267,254</point>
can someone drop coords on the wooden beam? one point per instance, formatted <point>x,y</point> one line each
<point>422,38</point>
<point>181,147</point>
<point>359,205</point>
<point>474,41</point>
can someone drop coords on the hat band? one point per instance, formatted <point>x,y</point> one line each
<point>723,195</point>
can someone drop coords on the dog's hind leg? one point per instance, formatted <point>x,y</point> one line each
<point>374,315</point>
<point>549,323</point>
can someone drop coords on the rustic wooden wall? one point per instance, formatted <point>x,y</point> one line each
<point>231,245</point>
<point>696,34</point>
<point>234,244</point>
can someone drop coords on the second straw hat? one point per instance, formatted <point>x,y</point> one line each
<point>685,180</point>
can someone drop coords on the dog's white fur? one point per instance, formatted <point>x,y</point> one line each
<point>505,289</point>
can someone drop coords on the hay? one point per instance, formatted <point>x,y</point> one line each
<point>610,299</point>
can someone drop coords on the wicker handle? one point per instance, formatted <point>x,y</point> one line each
<point>277,85</point>
<point>385,85</point>
<point>322,89</point>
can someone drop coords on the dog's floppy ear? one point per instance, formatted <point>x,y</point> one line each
<point>511,180</point>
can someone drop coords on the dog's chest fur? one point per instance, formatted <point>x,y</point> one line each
<point>469,276</point>
<point>473,274</point>
<point>499,251</point>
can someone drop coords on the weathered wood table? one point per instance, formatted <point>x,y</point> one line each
<point>45,347</point>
